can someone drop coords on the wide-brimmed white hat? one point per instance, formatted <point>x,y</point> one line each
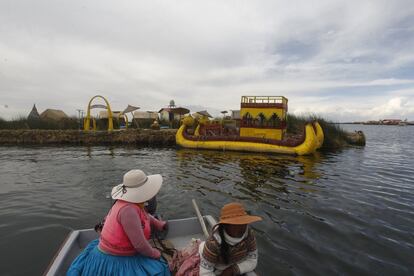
<point>137,187</point>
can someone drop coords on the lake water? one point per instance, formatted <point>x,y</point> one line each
<point>347,212</point>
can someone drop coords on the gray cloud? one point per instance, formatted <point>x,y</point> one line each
<point>323,56</point>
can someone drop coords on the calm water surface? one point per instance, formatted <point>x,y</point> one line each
<point>349,212</point>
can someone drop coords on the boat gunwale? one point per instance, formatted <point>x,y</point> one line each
<point>62,252</point>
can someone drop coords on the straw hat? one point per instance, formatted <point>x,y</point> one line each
<point>137,187</point>
<point>234,213</point>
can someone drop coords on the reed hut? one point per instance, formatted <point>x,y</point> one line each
<point>53,115</point>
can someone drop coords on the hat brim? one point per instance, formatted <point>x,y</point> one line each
<point>246,219</point>
<point>140,194</point>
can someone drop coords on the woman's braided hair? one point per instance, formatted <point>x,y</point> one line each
<point>224,246</point>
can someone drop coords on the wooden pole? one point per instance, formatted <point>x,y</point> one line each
<point>200,218</point>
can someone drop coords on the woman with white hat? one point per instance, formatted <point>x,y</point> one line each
<point>123,247</point>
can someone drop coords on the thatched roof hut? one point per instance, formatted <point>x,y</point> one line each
<point>53,114</point>
<point>104,114</point>
<point>153,115</point>
<point>33,115</point>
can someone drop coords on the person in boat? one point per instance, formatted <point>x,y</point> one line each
<point>231,248</point>
<point>123,247</point>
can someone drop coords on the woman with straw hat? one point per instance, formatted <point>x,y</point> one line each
<point>231,248</point>
<point>123,247</point>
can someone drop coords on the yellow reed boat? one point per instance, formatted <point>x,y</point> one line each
<point>262,128</point>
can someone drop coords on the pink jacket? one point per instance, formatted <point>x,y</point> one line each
<point>126,231</point>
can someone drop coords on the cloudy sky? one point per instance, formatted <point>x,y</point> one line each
<point>345,60</point>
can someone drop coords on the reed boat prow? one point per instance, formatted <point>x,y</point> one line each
<point>320,136</point>
<point>310,142</point>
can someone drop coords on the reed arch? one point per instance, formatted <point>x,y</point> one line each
<point>88,115</point>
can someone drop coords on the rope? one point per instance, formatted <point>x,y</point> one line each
<point>164,249</point>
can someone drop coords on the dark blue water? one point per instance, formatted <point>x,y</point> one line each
<point>348,212</point>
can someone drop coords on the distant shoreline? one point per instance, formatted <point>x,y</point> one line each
<point>368,124</point>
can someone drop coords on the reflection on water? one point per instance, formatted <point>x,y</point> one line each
<point>252,176</point>
<point>349,212</point>
<point>91,151</point>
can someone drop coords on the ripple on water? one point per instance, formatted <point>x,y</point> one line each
<point>348,212</point>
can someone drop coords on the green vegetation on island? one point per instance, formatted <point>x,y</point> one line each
<point>335,136</point>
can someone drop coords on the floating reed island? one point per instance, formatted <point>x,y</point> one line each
<point>261,125</point>
<point>131,137</point>
<point>19,132</point>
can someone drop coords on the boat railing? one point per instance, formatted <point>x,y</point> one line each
<point>264,100</point>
